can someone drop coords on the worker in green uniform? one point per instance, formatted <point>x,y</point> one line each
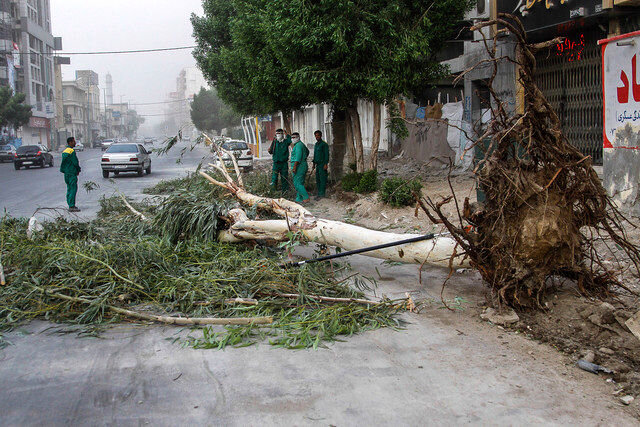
<point>70,167</point>
<point>279,151</point>
<point>321,163</point>
<point>299,167</point>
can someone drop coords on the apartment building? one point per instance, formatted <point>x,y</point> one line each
<point>27,64</point>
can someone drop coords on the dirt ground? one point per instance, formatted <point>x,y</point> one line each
<point>574,325</point>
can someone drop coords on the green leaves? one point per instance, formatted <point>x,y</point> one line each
<point>175,267</point>
<point>13,111</point>
<point>399,192</point>
<point>270,55</point>
<point>208,112</point>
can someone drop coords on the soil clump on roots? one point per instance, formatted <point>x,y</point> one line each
<point>545,209</point>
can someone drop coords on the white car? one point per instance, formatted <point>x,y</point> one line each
<point>107,143</point>
<point>240,151</point>
<point>125,158</point>
<point>79,146</point>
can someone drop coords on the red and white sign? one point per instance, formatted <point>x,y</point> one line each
<point>621,87</point>
<point>38,122</point>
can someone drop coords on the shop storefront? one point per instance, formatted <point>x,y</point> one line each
<point>569,74</point>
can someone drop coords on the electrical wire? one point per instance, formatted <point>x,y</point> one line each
<point>107,52</point>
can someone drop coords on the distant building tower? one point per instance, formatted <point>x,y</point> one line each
<point>109,89</point>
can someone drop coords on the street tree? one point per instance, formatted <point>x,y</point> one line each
<point>133,123</point>
<point>209,112</point>
<point>345,50</point>
<point>14,112</point>
<point>265,56</point>
<point>234,55</point>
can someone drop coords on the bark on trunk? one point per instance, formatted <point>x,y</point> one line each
<point>375,139</point>
<point>286,122</point>
<point>346,236</point>
<point>333,233</point>
<point>351,147</point>
<point>357,138</point>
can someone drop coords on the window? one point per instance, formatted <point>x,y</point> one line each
<point>123,148</point>
<point>232,146</point>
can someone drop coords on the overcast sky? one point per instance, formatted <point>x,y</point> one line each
<point>107,25</point>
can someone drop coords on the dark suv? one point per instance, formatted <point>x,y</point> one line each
<point>32,155</point>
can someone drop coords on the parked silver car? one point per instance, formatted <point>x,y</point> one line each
<point>240,151</point>
<point>107,143</point>
<point>7,153</point>
<point>125,158</point>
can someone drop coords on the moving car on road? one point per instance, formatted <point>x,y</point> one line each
<point>32,155</point>
<point>7,153</point>
<point>125,158</point>
<point>240,151</point>
<point>79,146</point>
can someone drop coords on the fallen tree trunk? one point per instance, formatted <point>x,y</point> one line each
<point>346,236</point>
<point>438,251</point>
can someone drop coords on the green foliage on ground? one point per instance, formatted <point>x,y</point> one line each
<point>173,266</point>
<point>400,192</point>
<point>368,182</point>
<point>362,183</point>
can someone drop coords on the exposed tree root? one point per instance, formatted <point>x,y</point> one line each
<point>544,201</point>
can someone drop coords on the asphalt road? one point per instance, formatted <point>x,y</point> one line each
<point>24,191</point>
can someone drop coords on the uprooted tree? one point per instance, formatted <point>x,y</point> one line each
<point>238,227</point>
<point>546,210</point>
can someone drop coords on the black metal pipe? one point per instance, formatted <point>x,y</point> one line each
<point>359,251</point>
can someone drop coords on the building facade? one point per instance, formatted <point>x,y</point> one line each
<point>27,65</point>
<point>74,101</point>
<point>35,78</point>
<point>178,111</point>
<point>569,74</point>
<point>89,81</point>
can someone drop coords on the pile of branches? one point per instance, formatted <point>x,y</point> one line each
<point>122,266</point>
<point>545,209</point>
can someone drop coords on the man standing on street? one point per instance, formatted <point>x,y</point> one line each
<point>70,167</point>
<point>321,163</point>
<point>279,151</point>
<point>299,167</point>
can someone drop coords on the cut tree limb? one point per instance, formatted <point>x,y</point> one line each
<point>182,321</point>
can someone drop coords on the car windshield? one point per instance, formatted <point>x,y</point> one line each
<point>232,146</point>
<point>6,147</point>
<point>28,149</point>
<point>123,148</point>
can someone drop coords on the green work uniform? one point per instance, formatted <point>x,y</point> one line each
<point>299,154</point>
<point>70,167</point>
<point>280,153</point>
<point>320,160</point>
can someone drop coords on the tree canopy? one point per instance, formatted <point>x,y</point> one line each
<point>265,56</point>
<point>235,56</point>
<point>209,112</point>
<point>13,111</point>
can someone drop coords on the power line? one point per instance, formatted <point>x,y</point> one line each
<point>108,52</point>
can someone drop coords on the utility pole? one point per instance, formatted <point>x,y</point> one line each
<point>106,123</point>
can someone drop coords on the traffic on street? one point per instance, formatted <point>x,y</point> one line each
<point>26,190</point>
